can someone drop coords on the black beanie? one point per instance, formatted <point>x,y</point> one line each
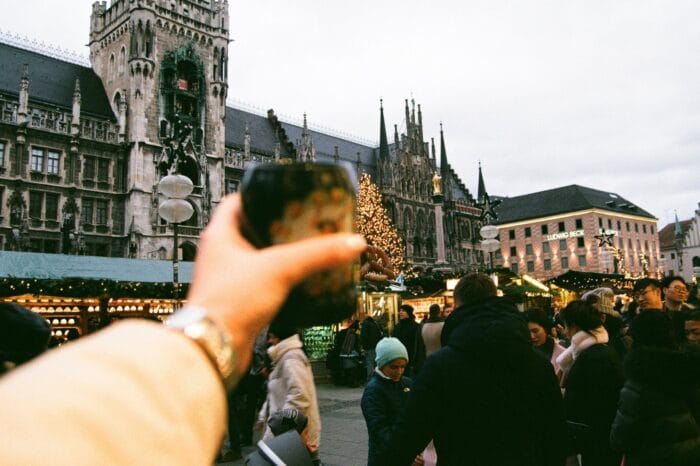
<point>23,333</point>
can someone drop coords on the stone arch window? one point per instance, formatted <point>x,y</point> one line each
<point>148,40</point>
<point>408,219</point>
<point>110,70</point>
<point>17,207</point>
<point>215,67</point>
<point>420,222</point>
<point>190,168</point>
<point>696,261</point>
<point>429,248</point>
<point>188,250</point>
<point>122,60</point>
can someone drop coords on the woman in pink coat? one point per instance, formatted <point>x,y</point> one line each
<point>540,327</point>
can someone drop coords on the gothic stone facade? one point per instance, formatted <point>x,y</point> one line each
<point>82,148</point>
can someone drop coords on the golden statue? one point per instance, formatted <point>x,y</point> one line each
<point>437,184</point>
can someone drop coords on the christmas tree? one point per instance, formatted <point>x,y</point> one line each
<point>372,221</point>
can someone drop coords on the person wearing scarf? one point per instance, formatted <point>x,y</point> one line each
<point>592,379</point>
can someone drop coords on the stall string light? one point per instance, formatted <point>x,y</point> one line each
<point>86,288</point>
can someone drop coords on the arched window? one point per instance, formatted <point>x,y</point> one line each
<point>110,70</point>
<point>122,60</point>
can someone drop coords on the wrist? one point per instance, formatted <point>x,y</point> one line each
<point>212,338</point>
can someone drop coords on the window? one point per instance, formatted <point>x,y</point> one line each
<point>562,226</point>
<point>627,225</point>
<point>582,260</point>
<point>51,206</point>
<point>528,232</point>
<point>564,263</point>
<point>646,245</point>
<point>513,251</point>
<point>530,266</point>
<point>86,212</point>
<point>2,154</point>
<point>545,229</point>
<point>545,247</point>
<point>673,256</point>
<point>511,234</point>
<point>636,228</point>
<point>629,243</point>
<point>231,186</point>
<point>651,228</point>
<point>621,243</point>
<point>101,212</point>
<point>644,228</point>
<point>609,224</point>
<point>102,170</point>
<point>562,246</point>
<point>53,163</point>
<point>36,199</point>
<point>579,224</point>
<point>514,267</point>
<point>89,168</point>
<point>600,222</point>
<point>580,243</point>
<point>548,264</point>
<point>619,226</point>
<point>639,246</point>
<point>528,249</point>
<point>37,160</point>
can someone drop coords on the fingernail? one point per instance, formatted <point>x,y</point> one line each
<point>356,242</point>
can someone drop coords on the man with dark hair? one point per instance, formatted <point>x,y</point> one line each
<point>647,294</point>
<point>675,294</point>
<point>472,288</point>
<point>486,397</point>
<point>370,334</point>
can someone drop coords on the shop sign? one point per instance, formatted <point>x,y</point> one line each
<point>564,235</point>
<point>603,231</point>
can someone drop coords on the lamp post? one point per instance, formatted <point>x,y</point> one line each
<point>175,210</point>
<point>489,243</point>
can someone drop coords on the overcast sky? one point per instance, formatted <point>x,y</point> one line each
<point>545,93</point>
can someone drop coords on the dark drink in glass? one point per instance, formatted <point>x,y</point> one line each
<point>288,202</point>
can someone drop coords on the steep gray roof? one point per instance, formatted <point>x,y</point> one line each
<point>52,81</point>
<point>565,199</point>
<point>262,133</point>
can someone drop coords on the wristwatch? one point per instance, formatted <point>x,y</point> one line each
<point>214,340</point>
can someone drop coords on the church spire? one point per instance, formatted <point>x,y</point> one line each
<point>383,141</point>
<point>481,193</point>
<point>443,155</point>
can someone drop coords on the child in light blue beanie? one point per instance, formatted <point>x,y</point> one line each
<point>385,394</point>
<point>388,349</point>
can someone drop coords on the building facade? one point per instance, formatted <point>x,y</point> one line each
<point>680,247</point>
<point>548,233</point>
<point>83,147</point>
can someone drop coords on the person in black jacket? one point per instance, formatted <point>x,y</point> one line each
<point>486,398</point>
<point>408,331</point>
<point>658,418</point>
<point>592,380</point>
<point>370,335</point>
<point>385,395</point>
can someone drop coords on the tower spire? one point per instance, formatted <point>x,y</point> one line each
<point>443,154</point>
<point>481,193</point>
<point>383,141</point>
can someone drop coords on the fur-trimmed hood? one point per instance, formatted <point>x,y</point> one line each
<point>664,369</point>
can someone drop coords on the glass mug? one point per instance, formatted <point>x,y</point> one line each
<point>289,202</point>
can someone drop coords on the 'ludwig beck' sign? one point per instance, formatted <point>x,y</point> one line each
<point>564,235</point>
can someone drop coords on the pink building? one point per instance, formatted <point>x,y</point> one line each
<point>547,233</point>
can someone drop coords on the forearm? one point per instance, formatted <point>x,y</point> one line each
<point>109,398</point>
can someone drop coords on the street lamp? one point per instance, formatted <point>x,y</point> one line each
<point>175,210</point>
<point>489,243</point>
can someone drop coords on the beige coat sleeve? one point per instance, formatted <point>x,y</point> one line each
<point>133,394</point>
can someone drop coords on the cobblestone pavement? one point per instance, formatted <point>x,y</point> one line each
<point>343,430</point>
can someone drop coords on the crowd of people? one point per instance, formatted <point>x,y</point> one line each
<point>602,382</point>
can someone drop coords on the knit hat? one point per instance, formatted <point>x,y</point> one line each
<point>604,300</point>
<point>23,333</point>
<point>388,349</point>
